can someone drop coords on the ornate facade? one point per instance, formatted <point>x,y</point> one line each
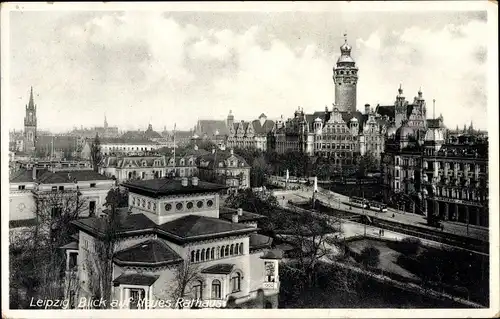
<point>443,177</point>
<point>252,134</point>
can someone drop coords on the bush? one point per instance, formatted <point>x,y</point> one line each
<point>410,245</point>
<point>370,256</point>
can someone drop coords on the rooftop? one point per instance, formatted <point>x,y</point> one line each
<point>168,186</point>
<point>152,252</point>
<point>222,269</point>
<point>184,229</point>
<point>135,279</point>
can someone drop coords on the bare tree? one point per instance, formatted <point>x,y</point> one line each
<point>95,153</point>
<point>184,276</point>
<point>100,258</point>
<point>311,236</point>
<point>40,264</point>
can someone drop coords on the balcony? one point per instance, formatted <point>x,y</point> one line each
<point>271,286</point>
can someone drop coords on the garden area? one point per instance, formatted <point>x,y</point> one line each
<point>454,271</point>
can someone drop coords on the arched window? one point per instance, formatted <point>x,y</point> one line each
<point>236,249</point>
<point>207,254</point>
<point>212,253</point>
<point>216,289</point>
<point>197,255</point>
<point>198,289</point>
<point>241,248</point>
<point>231,252</point>
<point>226,250</point>
<point>203,254</point>
<point>222,252</point>
<point>236,282</point>
<point>192,256</point>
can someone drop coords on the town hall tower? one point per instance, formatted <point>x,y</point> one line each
<point>345,77</point>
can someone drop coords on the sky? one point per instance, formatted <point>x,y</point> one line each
<point>160,68</point>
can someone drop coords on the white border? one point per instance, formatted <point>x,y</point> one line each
<point>490,7</point>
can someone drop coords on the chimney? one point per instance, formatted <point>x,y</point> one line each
<point>184,181</point>
<point>367,108</point>
<point>240,211</point>
<point>234,217</point>
<point>34,172</point>
<point>195,181</point>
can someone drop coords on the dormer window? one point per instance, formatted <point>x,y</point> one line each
<point>144,163</point>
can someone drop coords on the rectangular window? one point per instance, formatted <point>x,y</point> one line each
<point>73,257</point>
<point>92,208</point>
<point>61,188</point>
<point>21,187</point>
<point>54,188</point>
<point>92,185</point>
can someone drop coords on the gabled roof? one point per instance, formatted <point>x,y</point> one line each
<point>263,129</point>
<point>168,186</point>
<point>222,269</point>
<point>153,252</point>
<point>135,279</point>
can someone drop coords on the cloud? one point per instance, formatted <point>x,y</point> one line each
<point>448,64</point>
<point>141,67</point>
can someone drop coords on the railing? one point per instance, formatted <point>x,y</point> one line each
<point>271,285</point>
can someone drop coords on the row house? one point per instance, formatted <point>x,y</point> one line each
<point>252,134</point>
<point>31,186</point>
<point>226,168</point>
<point>147,166</point>
<point>175,226</point>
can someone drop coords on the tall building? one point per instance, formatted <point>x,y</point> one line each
<point>30,126</point>
<point>345,77</point>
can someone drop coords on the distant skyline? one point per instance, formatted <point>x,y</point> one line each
<point>162,68</point>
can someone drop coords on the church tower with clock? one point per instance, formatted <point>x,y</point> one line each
<point>30,126</point>
<point>345,77</point>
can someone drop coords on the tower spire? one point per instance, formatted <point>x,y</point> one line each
<point>31,103</point>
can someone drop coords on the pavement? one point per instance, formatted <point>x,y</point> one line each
<point>339,201</point>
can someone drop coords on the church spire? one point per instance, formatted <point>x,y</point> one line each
<point>31,103</point>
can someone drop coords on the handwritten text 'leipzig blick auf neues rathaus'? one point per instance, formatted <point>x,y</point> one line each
<point>86,303</point>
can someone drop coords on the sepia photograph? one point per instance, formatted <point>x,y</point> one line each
<point>246,159</point>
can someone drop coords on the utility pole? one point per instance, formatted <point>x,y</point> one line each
<point>363,210</point>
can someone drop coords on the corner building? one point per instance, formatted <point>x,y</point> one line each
<point>172,223</point>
